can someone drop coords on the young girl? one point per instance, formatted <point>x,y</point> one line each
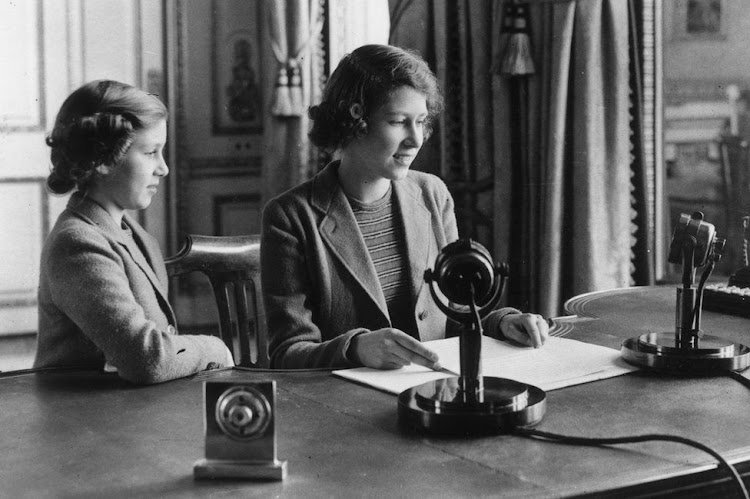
<point>103,285</point>
<point>344,254</point>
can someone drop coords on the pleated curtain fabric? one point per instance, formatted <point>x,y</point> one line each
<point>294,29</point>
<point>580,151</point>
<point>574,211</point>
<point>459,39</point>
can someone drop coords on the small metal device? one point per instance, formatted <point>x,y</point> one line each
<point>689,350</point>
<point>240,424</point>
<point>471,287</point>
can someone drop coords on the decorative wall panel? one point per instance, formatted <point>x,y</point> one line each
<point>21,97</point>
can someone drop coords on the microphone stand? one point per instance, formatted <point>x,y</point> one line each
<point>469,403</point>
<point>685,327</point>
<point>688,350</point>
<point>471,382</point>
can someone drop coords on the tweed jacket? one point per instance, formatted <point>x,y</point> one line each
<point>320,287</point>
<point>103,299</point>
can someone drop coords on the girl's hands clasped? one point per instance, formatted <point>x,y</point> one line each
<point>390,348</point>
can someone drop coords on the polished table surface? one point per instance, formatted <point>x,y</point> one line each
<point>68,433</point>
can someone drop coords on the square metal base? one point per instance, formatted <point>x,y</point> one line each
<point>212,469</point>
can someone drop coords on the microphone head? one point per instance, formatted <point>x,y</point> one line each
<point>692,229</point>
<point>462,266</point>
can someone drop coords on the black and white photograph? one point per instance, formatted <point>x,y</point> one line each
<point>374,248</point>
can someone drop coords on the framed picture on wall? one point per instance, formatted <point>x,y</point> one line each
<point>236,67</point>
<point>700,19</point>
<point>236,215</point>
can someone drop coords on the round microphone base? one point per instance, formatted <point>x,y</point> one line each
<point>711,355</point>
<point>440,407</point>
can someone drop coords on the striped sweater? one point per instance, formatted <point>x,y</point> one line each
<point>382,229</point>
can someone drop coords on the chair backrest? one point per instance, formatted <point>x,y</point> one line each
<point>735,163</point>
<point>232,264</point>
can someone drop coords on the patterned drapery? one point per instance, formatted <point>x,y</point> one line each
<point>573,221</point>
<point>295,31</point>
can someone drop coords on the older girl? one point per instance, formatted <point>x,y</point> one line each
<point>344,254</point>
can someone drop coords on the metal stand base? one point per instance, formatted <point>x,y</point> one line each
<point>440,407</point>
<point>211,469</point>
<point>711,355</point>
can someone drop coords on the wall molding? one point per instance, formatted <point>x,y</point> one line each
<point>221,166</point>
<point>36,119</point>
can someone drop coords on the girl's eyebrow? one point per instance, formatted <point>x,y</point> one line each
<point>152,145</point>
<point>399,112</point>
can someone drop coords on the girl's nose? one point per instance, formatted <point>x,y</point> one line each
<point>162,170</point>
<point>415,136</point>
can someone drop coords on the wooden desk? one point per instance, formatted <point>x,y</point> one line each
<point>72,433</point>
<point>622,313</point>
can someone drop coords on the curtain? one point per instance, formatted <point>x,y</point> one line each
<point>568,227</point>
<point>353,23</point>
<point>295,32</point>
<point>643,137</point>
<point>308,38</point>
<point>459,39</point>
<point>580,150</point>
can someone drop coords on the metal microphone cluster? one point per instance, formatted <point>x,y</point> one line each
<point>688,350</point>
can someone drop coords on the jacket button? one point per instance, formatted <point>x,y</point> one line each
<point>171,329</point>
<point>423,315</point>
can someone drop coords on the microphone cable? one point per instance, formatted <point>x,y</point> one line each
<point>576,440</point>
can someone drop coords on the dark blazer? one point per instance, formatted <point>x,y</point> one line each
<point>319,284</point>
<point>103,299</point>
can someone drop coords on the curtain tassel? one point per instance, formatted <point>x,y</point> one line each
<point>282,104</point>
<point>296,98</point>
<point>288,100</point>
<point>517,59</point>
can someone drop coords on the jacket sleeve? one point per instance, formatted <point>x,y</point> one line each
<point>88,282</point>
<point>296,340</point>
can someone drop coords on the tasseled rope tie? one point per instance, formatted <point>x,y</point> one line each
<point>288,100</point>
<point>517,59</point>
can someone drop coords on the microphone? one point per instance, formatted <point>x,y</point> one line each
<point>467,285</point>
<point>465,275</point>
<point>689,350</point>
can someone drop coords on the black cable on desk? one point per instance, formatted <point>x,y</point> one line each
<point>739,378</point>
<point>575,440</point>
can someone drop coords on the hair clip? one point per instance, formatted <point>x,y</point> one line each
<point>356,111</point>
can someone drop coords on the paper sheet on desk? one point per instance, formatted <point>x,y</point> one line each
<point>561,362</point>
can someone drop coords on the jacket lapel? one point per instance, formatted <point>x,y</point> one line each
<point>146,257</point>
<point>420,245</point>
<point>340,232</point>
<point>99,217</point>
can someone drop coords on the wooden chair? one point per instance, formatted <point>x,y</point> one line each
<point>735,163</point>
<point>232,264</point>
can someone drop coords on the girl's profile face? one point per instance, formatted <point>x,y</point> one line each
<point>131,184</point>
<point>395,136</point>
